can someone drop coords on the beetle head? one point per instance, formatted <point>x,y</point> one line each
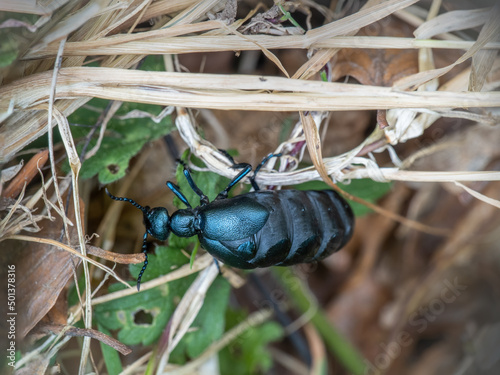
<point>156,219</point>
<point>157,222</point>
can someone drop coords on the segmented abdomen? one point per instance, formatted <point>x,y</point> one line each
<point>303,226</point>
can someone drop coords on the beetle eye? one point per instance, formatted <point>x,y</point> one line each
<point>157,223</point>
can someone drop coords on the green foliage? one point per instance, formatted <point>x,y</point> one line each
<point>208,325</point>
<point>111,356</point>
<point>140,318</point>
<point>14,37</point>
<point>8,50</point>
<point>248,354</point>
<point>366,189</point>
<point>122,141</point>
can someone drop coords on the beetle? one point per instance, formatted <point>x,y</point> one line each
<point>258,229</point>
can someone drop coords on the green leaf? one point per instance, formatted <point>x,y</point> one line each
<point>366,189</point>
<point>8,50</point>
<point>288,16</point>
<point>347,354</point>
<point>141,317</point>
<point>193,254</point>
<point>14,38</point>
<point>123,139</point>
<point>323,76</point>
<point>110,355</point>
<point>248,354</point>
<point>208,325</point>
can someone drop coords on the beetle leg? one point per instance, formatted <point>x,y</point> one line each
<point>177,191</point>
<point>217,265</point>
<point>196,189</point>
<point>145,252</point>
<point>230,158</point>
<point>234,181</point>
<point>226,154</point>
<point>257,169</point>
<point>247,168</point>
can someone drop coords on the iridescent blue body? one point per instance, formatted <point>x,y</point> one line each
<point>257,229</point>
<point>267,228</point>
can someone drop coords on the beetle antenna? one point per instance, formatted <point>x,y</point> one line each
<point>144,242</point>
<point>135,204</point>
<point>145,265</point>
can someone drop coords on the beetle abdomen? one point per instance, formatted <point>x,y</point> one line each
<point>303,226</point>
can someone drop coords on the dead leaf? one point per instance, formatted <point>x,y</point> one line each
<point>29,171</point>
<point>379,67</point>
<point>42,272</point>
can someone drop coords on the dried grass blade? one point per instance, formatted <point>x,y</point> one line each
<point>356,21</point>
<point>111,46</point>
<point>482,197</point>
<point>74,162</point>
<point>489,32</point>
<point>252,320</point>
<point>313,142</point>
<point>187,310</point>
<point>200,263</point>
<point>194,12</point>
<point>70,250</point>
<point>447,22</point>
<point>271,56</point>
<point>73,22</point>
<point>42,8</point>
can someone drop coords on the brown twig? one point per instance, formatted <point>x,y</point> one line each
<point>82,332</point>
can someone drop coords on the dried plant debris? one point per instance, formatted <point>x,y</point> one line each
<point>271,22</point>
<point>228,15</point>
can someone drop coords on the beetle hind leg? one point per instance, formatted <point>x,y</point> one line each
<point>257,169</point>
<point>247,168</point>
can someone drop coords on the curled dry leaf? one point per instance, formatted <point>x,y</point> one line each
<point>30,170</point>
<point>42,272</point>
<point>377,67</point>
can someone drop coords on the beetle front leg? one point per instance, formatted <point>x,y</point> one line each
<point>177,191</point>
<point>203,198</point>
